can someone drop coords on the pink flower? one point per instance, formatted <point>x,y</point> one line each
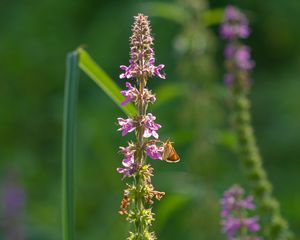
<point>135,68</point>
<point>128,161</point>
<point>243,58</point>
<point>155,70</point>
<point>235,24</point>
<point>127,125</point>
<point>150,126</point>
<point>128,70</point>
<point>154,152</point>
<point>251,224</point>
<point>127,171</point>
<point>230,226</point>
<point>131,94</point>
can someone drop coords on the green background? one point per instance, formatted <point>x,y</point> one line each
<point>192,107</point>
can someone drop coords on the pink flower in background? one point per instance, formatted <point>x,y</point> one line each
<point>235,24</point>
<point>237,56</point>
<point>243,58</point>
<point>235,213</point>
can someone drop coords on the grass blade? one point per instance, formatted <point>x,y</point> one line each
<point>87,64</point>
<point>70,105</point>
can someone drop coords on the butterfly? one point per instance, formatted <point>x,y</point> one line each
<point>169,153</point>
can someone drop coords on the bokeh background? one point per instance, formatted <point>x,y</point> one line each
<point>192,106</point>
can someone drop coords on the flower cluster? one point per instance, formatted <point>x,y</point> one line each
<point>235,24</point>
<point>128,160</point>
<point>237,56</point>
<point>138,196</point>
<point>142,59</point>
<point>132,94</point>
<point>235,221</point>
<point>147,122</point>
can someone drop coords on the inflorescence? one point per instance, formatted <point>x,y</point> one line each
<point>235,220</point>
<point>238,57</point>
<point>239,65</point>
<point>139,195</point>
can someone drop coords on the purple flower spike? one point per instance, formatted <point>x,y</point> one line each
<point>139,195</point>
<point>234,214</point>
<point>141,51</point>
<point>238,60</point>
<point>127,125</point>
<point>150,126</point>
<point>235,24</point>
<point>154,152</point>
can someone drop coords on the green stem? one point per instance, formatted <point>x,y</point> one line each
<point>70,103</point>
<point>139,200</point>
<point>276,227</point>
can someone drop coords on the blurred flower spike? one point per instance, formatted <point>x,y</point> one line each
<point>238,60</point>
<point>235,221</point>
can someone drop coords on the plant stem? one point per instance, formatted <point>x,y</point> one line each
<point>139,201</point>
<point>276,227</point>
<point>70,103</point>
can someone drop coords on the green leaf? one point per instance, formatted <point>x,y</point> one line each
<point>168,11</point>
<point>96,73</point>
<point>213,16</point>
<point>70,105</point>
<point>79,58</point>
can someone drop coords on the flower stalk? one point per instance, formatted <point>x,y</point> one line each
<point>239,65</point>
<point>139,195</point>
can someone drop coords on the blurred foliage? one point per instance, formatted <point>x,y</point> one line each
<point>192,108</point>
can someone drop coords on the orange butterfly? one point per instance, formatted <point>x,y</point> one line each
<point>169,154</point>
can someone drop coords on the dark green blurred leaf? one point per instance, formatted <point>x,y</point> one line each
<point>168,11</point>
<point>69,133</point>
